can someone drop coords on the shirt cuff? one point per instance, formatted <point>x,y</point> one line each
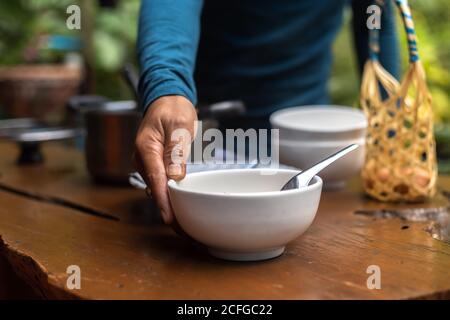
<point>149,91</point>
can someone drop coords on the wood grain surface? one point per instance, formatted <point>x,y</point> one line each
<point>52,216</point>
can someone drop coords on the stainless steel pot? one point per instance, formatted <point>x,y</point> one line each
<point>110,132</point>
<point>110,143</point>
<point>111,129</point>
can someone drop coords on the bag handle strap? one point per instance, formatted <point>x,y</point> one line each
<point>374,34</point>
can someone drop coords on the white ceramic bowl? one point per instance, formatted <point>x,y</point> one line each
<point>301,154</point>
<point>320,123</point>
<point>240,214</point>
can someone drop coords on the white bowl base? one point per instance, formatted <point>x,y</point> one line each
<point>246,256</point>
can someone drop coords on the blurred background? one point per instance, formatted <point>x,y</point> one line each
<point>35,32</point>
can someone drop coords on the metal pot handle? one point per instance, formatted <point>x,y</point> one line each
<point>222,110</point>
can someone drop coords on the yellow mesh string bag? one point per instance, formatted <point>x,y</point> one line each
<point>400,162</point>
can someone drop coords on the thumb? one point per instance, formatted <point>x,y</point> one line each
<point>176,153</point>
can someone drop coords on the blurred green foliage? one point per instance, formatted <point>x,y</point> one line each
<point>432,22</point>
<point>24,22</point>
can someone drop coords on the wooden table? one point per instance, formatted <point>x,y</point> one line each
<point>52,216</point>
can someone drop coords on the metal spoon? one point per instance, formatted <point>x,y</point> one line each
<point>303,178</point>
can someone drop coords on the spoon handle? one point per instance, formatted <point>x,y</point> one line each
<point>303,178</point>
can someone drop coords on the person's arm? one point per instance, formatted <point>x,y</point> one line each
<point>167,45</point>
<point>168,38</point>
<point>389,50</point>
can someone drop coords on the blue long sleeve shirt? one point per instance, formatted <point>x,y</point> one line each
<point>269,54</point>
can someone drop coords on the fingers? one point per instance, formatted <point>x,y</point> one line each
<point>150,160</point>
<point>176,153</point>
<point>163,145</point>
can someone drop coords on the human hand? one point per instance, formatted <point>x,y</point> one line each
<point>162,146</point>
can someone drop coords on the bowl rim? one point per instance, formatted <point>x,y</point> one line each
<point>360,125</point>
<point>317,184</point>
